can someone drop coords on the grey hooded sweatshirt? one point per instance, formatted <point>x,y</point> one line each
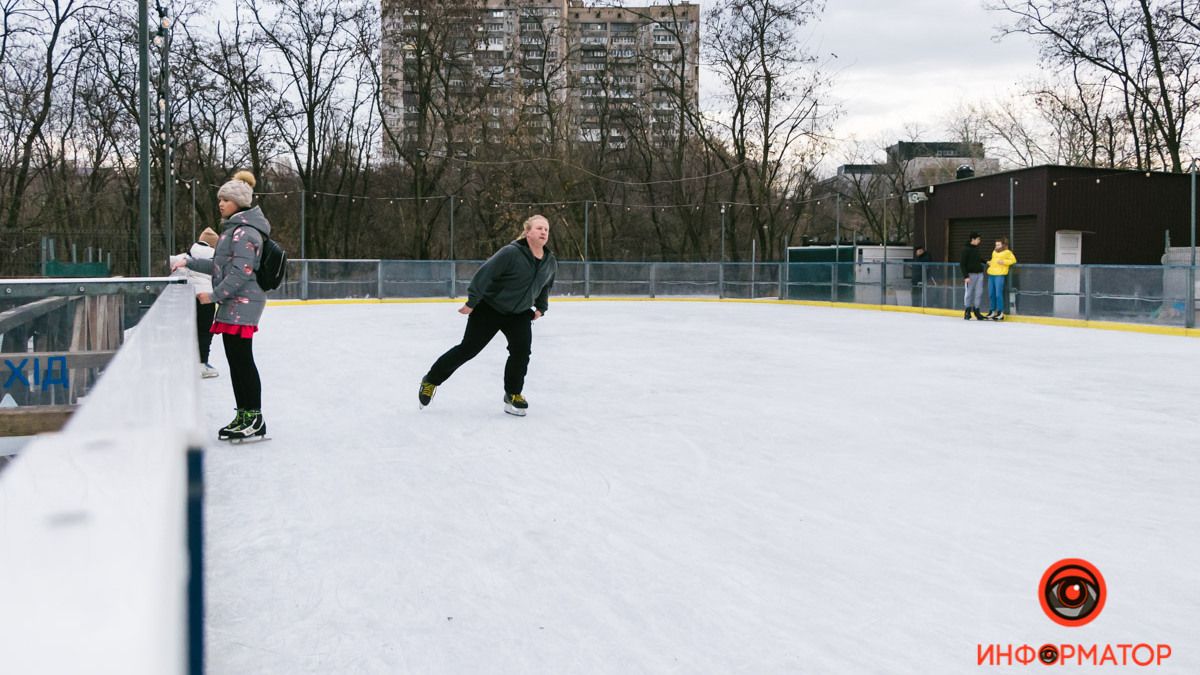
<point>512,280</point>
<point>235,288</point>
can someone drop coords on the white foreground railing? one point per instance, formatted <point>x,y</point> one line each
<point>96,521</point>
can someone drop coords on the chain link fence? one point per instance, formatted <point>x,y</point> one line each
<point>345,279</point>
<point>1123,293</point>
<point>1133,294</point>
<point>78,254</point>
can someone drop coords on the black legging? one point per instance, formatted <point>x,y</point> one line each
<point>204,319</point>
<point>247,389</point>
<point>482,324</point>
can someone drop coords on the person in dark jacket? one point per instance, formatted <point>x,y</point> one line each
<point>507,294</point>
<point>240,300</point>
<point>918,275</point>
<point>971,264</point>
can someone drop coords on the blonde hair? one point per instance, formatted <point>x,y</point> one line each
<point>530,221</point>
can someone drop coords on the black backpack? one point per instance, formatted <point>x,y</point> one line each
<point>272,264</point>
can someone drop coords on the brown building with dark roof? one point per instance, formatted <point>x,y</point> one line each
<point>1124,216</point>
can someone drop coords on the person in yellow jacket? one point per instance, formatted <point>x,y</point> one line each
<point>1002,259</point>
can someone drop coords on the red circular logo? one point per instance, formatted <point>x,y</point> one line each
<point>1072,592</point>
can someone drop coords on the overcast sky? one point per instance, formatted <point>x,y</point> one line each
<point>901,62</point>
<point>914,61</point>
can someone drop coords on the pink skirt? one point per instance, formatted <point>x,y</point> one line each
<point>246,332</point>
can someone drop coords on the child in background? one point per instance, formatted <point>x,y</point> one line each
<point>201,283</point>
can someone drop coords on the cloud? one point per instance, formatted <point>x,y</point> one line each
<point>915,61</point>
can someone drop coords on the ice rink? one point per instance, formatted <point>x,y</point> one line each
<point>699,487</point>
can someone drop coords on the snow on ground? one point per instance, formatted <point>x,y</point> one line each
<point>698,488</point>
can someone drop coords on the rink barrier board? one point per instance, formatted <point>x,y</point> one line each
<point>102,521</point>
<point>1177,331</point>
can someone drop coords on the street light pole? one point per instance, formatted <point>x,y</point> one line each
<point>192,185</point>
<point>144,138</point>
<point>883,276</point>
<point>163,40</point>
<point>1191,293</point>
<point>721,263</point>
<point>587,266</point>
<point>1011,207</point>
<point>303,251</point>
<point>837,229</point>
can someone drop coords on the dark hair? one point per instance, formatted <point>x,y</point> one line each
<point>974,235</point>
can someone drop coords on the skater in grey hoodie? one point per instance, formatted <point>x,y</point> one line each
<point>240,300</point>
<point>508,293</point>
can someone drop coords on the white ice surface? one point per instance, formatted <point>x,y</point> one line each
<point>698,488</point>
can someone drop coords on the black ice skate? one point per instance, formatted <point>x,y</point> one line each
<point>426,392</point>
<point>252,428</point>
<point>515,404</point>
<point>226,431</point>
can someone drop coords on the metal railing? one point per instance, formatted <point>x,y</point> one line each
<point>341,279</point>
<point>56,335</point>
<point>1148,294</point>
<point>1151,294</point>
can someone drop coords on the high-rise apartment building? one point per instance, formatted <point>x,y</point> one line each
<point>466,71</point>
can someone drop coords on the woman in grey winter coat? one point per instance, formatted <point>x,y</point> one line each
<point>239,298</point>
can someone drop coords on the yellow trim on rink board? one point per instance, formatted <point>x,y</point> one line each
<point>359,301</point>
<point>1040,320</point>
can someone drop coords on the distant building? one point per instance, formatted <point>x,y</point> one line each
<point>1075,214</point>
<point>858,191</point>
<point>553,69</point>
<point>935,162</point>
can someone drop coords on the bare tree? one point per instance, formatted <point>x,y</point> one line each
<point>1147,46</point>
<point>773,89</point>
<point>1068,119</point>
<point>318,47</point>
<point>29,85</point>
<point>431,96</point>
